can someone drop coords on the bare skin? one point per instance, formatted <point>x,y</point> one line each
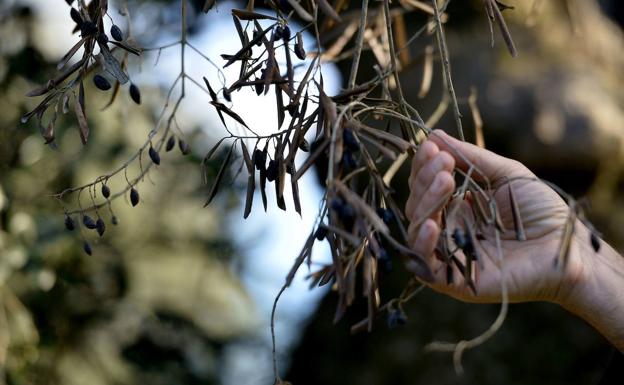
<point>592,283</point>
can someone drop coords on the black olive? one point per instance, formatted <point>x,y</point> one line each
<point>116,33</point>
<point>87,248</point>
<point>348,161</point>
<point>278,32</point>
<point>88,222</point>
<point>285,33</point>
<point>595,241</point>
<point>87,28</point>
<point>462,241</point>
<point>114,220</point>
<point>101,82</point>
<point>100,226</point>
<point>69,223</point>
<point>259,159</point>
<point>154,156</point>
<point>384,261</point>
<point>349,140</point>
<point>385,214</point>
<point>135,93</point>
<point>170,143</point>
<point>105,191</point>
<point>259,88</point>
<point>102,38</point>
<point>396,317</point>
<point>75,15</point>
<point>134,197</point>
<point>185,149</point>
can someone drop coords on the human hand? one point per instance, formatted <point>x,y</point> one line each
<point>529,264</point>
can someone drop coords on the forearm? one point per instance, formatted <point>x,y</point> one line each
<point>598,292</point>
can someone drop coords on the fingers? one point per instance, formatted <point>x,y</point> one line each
<point>488,164</point>
<point>431,202</point>
<point>428,162</point>
<point>424,240</point>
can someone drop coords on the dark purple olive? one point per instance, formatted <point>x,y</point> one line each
<point>101,83</point>
<point>349,140</point>
<point>100,226</point>
<point>259,159</point>
<point>88,222</point>
<point>102,38</point>
<point>69,223</point>
<point>595,241</point>
<point>75,15</point>
<point>88,28</point>
<point>170,143</point>
<point>87,248</point>
<point>396,317</point>
<point>272,170</point>
<point>385,214</point>
<point>105,191</point>
<point>384,261</point>
<point>134,197</point>
<point>286,33</point>
<point>348,160</point>
<point>278,32</point>
<point>154,156</point>
<point>135,93</point>
<point>259,88</point>
<point>116,33</point>
<point>184,147</point>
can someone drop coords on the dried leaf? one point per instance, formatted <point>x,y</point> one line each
<point>517,218</point>
<point>208,5</point>
<point>82,121</point>
<point>57,80</point>
<point>110,64</point>
<point>251,187</point>
<point>247,47</point>
<point>247,15</point>
<point>295,191</point>
<point>219,178</point>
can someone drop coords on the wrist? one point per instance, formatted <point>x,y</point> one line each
<point>593,285</point>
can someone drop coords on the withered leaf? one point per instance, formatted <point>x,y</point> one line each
<point>71,53</point>
<point>251,187</point>
<point>247,15</point>
<point>247,47</point>
<point>82,120</point>
<point>223,108</point>
<point>263,179</point>
<point>215,186</point>
<point>208,5</point>
<point>110,64</point>
<point>247,158</point>
<point>213,95</point>
<point>295,191</point>
<point>57,80</point>
<point>515,211</point>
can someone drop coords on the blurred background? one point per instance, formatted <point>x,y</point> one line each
<point>176,294</point>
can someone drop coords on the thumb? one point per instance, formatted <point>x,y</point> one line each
<point>486,163</point>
